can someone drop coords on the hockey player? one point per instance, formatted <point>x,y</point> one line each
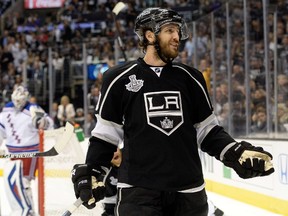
<point>162,112</point>
<point>19,124</point>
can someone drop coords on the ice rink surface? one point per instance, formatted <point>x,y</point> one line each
<point>232,207</point>
<point>62,196</point>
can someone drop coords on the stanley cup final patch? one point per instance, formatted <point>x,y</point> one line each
<point>134,85</point>
<point>164,110</point>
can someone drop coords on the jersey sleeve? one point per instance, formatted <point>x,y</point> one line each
<point>109,114</point>
<point>108,131</point>
<point>211,137</point>
<point>100,153</point>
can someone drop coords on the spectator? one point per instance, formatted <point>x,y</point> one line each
<point>58,63</point>
<point>14,48</point>
<point>66,111</point>
<point>93,97</point>
<point>90,124</point>
<point>18,81</point>
<point>4,38</point>
<point>6,58</point>
<point>99,80</point>
<point>54,115</point>
<point>79,117</point>
<point>67,32</point>
<point>256,30</point>
<point>93,56</point>
<point>282,118</point>
<point>77,38</point>
<point>204,67</point>
<point>33,100</point>
<point>22,55</point>
<point>284,48</point>
<point>189,49</point>
<point>8,78</point>
<point>283,84</point>
<point>224,91</point>
<point>238,74</point>
<point>220,100</point>
<point>223,116</point>
<point>258,97</point>
<point>259,119</point>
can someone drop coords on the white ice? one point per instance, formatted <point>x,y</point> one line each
<point>61,196</point>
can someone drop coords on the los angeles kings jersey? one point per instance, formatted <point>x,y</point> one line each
<point>162,121</point>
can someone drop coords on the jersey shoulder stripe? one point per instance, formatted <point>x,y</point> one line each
<point>197,77</point>
<point>111,76</point>
<point>115,71</point>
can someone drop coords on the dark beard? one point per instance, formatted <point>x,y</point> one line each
<point>166,51</point>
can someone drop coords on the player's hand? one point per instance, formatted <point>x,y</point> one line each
<point>248,161</point>
<point>88,183</point>
<point>40,122</point>
<point>117,158</point>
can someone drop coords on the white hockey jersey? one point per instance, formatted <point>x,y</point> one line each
<point>18,130</point>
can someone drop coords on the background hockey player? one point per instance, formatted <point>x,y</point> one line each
<point>162,113</point>
<point>19,124</point>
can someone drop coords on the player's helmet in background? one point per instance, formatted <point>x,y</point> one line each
<point>155,18</point>
<point>20,97</point>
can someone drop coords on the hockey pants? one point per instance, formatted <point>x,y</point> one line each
<point>137,201</point>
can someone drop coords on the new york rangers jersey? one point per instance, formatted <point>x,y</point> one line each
<point>162,120</point>
<point>18,130</point>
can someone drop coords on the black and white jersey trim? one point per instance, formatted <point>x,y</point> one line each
<point>111,84</point>
<point>204,127</point>
<point>204,92</point>
<point>108,131</point>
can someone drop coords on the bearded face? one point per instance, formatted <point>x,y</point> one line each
<point>168,50</point>
<point>168,40</point>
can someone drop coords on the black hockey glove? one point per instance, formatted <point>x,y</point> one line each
<point>248,161</point>
<point>89,183</point>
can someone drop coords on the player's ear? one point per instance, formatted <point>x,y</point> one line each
<point>150,36</point>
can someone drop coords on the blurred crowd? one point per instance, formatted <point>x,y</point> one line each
<point>25,40</point>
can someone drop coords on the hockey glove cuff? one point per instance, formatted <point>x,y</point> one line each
<point>248,161</point>
<point>111,182</point>
<point>42,123</point>
<point>89,183</point>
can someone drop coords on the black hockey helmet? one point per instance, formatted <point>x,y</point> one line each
<point>155,18</point>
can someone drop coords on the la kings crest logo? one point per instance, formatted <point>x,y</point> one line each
<point>164,110</point>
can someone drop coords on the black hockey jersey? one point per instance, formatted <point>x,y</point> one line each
<point>162,121</point>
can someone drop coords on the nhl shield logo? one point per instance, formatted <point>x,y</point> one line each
<point>164,110</point>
